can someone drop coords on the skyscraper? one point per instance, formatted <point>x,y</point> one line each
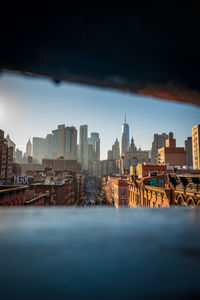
<point>124,142</point>
<point>188,149</point>
<point>64,142</point>
<point>83,146</point>
<point>94,140</point>
<point>48,145</point>
<point>125,136</point>
<point>196,146</point>
<point>38,148</point>
<point>116,150</point>
<point>70,143</point>
<point>28,148</point>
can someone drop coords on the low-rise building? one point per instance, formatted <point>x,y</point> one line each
<point>115,190</point>
<point>26,168</point>
<point>146,170</point>
<point>142,194</point>
<point>12,195</point>
<point>61,164</point>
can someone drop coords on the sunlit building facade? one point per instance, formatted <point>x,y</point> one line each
<point>196,146</point>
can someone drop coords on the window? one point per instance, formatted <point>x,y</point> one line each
<point>123,192</point>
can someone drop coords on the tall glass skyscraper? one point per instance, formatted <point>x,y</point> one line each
<point>125,136</point>
<point>94,140</point>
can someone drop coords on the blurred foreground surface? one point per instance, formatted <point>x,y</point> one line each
<point>99,253</point>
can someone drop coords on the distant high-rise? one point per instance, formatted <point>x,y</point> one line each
<point>48,145</point>
<point>28,148</point>
<point>125,136</point>
<point>64,142</point>
<point>110,154</point>
<point>97,150</point>
<point>70,143</point>
<point>38,148</point>
<point>158,142</point>
<point>83,146</point>
<point>18,156</point>
<point>196,146</point>
<point>94,140</point>
<point>116,150</point>
<point>188,149</point>
<point>124,142</point>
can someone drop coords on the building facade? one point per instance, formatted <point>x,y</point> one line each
<point>115,152</point>
<point>38,148</point>
<point>131,158</point>
<point>188,149</point>
<point>28,148</point>
<point>158,142</point>
<point>61,165</point>
<point>170,154</point>
<point>196,146</point>
<point>83,146</point>
<point>48,146</point>
<point>94,140</point>
<point>6,160</point>
<point>63,142</point>
<point>115,190</point>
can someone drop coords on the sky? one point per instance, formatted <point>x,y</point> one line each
<point>34,106</point>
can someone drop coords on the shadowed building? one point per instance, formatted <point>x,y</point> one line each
<point>188,149</point>
<point>158,142</point>
<point>6,160</point>
<point>83,146</point>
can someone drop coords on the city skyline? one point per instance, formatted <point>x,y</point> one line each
<point>72,104</point>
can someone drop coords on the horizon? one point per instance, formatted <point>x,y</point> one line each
<point>36,106</point>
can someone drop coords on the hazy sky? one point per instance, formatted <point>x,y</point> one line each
<point>34,107</point>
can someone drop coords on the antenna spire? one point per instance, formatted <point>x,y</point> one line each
<point>125,118</point>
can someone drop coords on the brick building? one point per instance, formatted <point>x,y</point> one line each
<point>6,160</point>
<point>12,195</point>
<point>175,156</point>
<point>145,170</point>
<point>115,190</point>
<point>60,192</point>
